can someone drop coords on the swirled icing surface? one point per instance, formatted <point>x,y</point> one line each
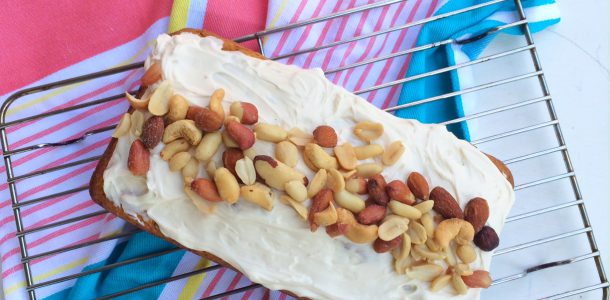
<point>276,248</point>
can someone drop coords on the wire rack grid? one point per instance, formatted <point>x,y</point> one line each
<point>524,161</point>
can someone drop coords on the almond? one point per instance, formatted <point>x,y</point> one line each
<point>476,212</point>
<point>152,132</point>
<point>152,74</point>
<point>243,136</point>
<point>376,188</point>
<point>206,189</point>
<point>192,112</point>
<point>319,203</point>
<point>478,279</point>
<point>246,112</point>
<point>325,136</point>
<point>207,120</point>
<point>372,214</point>
<point>398,190</point>
<point>418,185</point>
<point>381,246</point>
<point>503,169</point>
<point>138,161</point>
<point>487,239</point>
<point>230,158</point>
<point>445,204</point>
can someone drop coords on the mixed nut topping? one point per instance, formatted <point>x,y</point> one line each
<point>429,235</point>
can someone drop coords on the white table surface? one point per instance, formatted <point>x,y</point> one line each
<point>574,55</point>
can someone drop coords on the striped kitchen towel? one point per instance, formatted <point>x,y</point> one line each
<point>100,36</point>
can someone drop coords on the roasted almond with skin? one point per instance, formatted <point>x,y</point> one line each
<point>193,111</point>
<point>275,173</point>
<point>418,185</point>
<point>398,190</point>
<point>346,156</point>
<point>242,135</point>
<point>152,132</point>
<point>138,161</point>
<point>372,214</point>
<point>487,239</point>
<point>381,246</point>
<point>325,136</point>
<point>245,111</point>
<point>445,204</point>
<point>319,203</point>
<point>478,279</point>
<point>230,158</point>
<point>207,120</point>
<point>152,74</point>
<point>206,189</point>
<point>476,212</point>
<point>270,133</point>
<point>356,185</point>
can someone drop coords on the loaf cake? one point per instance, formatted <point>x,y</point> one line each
<point>300,185</point>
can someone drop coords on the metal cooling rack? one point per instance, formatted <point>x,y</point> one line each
<point>548,266</point>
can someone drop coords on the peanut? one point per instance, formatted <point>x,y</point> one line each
<point>137,121</point>
<point>296,190</point>
<point>245,171</point>
<point>270,133</point>
<point>228,188</point>
<point>297,206</point>
<point>208,146</point>
<point>356,185</point>
<point>392,227</point>
<point>179,160</point>
<point>287,153</point>
<point>349,201</point>
<point>335,181</point>
<point>368,131</point>
<point>404,210</point>
<point>368,151</point>
<point>393,153</point>
<point>317,183</point>
<point>174,147</point>
<point>346,156</point>
<point>417,232</point>
<point>319,158</point>
<point>190,170</point>
<point>299,137</point>
<point>159,100</point>
<point>450,229</point>
<point>466,253</point>
<point>425,272</point>
<point>368,169</point>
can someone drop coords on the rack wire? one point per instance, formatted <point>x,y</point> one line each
<point>548,266</point>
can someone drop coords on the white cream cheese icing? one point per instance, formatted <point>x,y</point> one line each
<point>276,248</point>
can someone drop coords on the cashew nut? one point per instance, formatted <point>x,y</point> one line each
<point>216,102</point>
<point>450,229</point>
<point>179,160</point>
<point>137,103</point>
<point>137,121</point>
<point>182,129</point>
<point>356,232</point>
<point>159,101</point>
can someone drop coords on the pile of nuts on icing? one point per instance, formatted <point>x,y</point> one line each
<point>421,227</point>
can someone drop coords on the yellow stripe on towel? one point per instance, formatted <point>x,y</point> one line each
<point>194,282</point>
<point>179,15</point>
